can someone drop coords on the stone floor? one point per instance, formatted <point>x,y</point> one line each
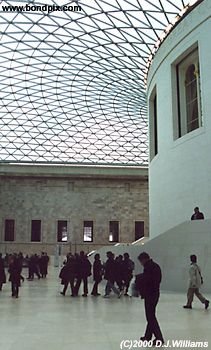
<point>43,319</point>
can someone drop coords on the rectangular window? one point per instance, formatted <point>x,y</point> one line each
<point>9,230</point>
<point>189,94</point>
<point>88,231</point>
<point>36,231</point>
<point>139,230</point>
<point>62,235</point>
<point>114,231</point>
<point>153,124</point>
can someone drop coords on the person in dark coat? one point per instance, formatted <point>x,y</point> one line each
<point>67,275</point>
<point>110,276</point>
<point>33,267</point>
<point>97,274</point>
<point>83,272</point>
<point>6,260</point>
<point>2,273</point>
<point>36,266</point>
<point>15,276</point>
<point>43,265</point>
<point>20,260</point>
<point>119,272</point>
<point>152,277</point>
<point>128,267</point>
<point>197,215</point>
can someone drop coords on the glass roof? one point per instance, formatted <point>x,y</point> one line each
<point>72,82</point>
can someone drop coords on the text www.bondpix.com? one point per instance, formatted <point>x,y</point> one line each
<point>40,8</point>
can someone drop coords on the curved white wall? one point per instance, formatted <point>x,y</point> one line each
<point>180,174</point>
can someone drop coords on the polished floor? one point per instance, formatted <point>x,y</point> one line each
<point>43,319</point>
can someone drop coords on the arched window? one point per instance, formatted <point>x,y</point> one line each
<point>191,94</point>
<point>153,124</point>
<point>189,106</point>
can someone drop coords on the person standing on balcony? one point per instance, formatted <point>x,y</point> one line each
<point>197,215</point>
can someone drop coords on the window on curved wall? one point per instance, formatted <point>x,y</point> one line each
<point>189,95</point>
<point>191,98</point>
<point>153,127</point>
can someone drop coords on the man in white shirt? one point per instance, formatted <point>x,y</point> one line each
<point>195,283</point>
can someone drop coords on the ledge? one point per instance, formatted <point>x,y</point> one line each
<point>73,171</point>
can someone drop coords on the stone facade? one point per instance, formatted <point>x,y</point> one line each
<point>51,197</point>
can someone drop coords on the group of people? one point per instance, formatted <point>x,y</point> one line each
<point>36,265</point>
<point>118,273</point>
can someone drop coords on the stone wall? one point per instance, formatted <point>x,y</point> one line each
<point>75,199</point>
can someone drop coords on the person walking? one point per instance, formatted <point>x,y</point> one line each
<point>151,280</point>
<point>33,267</point>
<point>20,261</point>
<point>128,267</point>
<point>119,272</point>
<point>110,276</point>
<point>97,274</point>
<point>15,276</point>
<point>43,265</point>
<point>2,273</point>
<point>30,268</point>
<point>195,282</point>
<point>83,272</point>
<point>67,275</point>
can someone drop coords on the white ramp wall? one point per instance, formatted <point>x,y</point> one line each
<point>172,250</point>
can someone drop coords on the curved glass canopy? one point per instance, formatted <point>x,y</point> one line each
<point>72,83</point>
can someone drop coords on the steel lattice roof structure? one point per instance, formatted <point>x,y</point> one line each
<point>72,82</point>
